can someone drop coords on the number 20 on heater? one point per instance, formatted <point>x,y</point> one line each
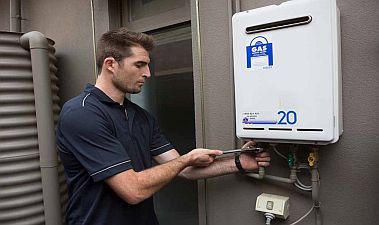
<point>289,117</point>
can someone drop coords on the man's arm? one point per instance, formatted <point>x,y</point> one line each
<point>134,187</point>
<point>221,165</point>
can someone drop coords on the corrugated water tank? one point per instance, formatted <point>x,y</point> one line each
<point>21,201</point>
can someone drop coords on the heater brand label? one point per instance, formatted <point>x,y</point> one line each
<point>259,54</point>
<point>266,117</point>
<point>258,118</point>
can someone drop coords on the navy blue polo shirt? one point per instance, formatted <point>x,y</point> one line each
<point>98,138</point>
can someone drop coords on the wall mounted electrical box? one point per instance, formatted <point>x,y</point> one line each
<point>287,72</point>
<point>275,204</point>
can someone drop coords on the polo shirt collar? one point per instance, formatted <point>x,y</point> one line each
<point>90,88</point>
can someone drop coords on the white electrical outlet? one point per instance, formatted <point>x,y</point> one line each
<point>275,204</point>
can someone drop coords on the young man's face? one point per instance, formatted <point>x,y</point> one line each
<point>133,71</point>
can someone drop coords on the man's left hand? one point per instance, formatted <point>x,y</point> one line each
<point>251,161</point>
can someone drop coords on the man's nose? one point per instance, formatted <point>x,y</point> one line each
<point>147,73</point>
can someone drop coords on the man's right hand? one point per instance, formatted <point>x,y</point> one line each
<point>201,157</point>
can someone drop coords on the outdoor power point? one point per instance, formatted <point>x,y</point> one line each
<point>275,204</point>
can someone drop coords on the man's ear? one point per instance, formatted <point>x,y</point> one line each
<point>109,64</point>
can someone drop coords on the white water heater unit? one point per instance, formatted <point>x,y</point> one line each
<point>287,72</point>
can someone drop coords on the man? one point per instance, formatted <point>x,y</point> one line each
<point>107,144</point>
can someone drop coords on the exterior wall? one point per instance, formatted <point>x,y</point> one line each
<point>349,183</point>
<point>4,15</point>
<point>68,23</point>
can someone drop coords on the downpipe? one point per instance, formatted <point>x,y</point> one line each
<point>38,46</point>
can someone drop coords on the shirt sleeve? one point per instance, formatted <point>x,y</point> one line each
<point>159,143</point>
<point>88,135</point>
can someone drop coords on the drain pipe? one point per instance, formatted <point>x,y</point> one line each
<point>38,45</point>
<point>15,16</point>
<point>316,187</point>
<point>262,175</point>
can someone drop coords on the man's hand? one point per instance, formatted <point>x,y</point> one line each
<point>202,157</point>
<point>251,161</point>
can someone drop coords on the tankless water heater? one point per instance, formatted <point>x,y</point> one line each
<point>287,72</point>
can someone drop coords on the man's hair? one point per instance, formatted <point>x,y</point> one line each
<point>117,44</point>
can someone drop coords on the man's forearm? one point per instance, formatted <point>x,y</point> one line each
<point>135,187</point>
<point>152,180</point>
<point>221,166</point>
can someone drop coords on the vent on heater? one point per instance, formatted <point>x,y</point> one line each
<point>319,130</point>
<point>280,129</point>
<point>279,24</point>
<point>253,128</point>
